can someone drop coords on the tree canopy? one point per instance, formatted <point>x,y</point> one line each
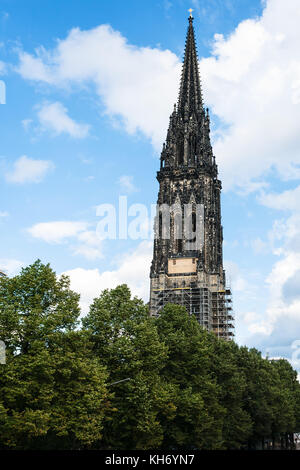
<point>119,379</point>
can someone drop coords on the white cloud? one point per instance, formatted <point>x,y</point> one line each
<point>82,241</point>
<point>54,118</point>
<point>4,214</point>
<point>250,317</point>
<point>89,245</point>
<point>280,307</point>
<point>283,282</point>
<point>261,327</point>
<point>126,184</point>
<point>34,68</point>
<point>137,85</point>
<point>28,170</point>
<point>56,232</point>
<point>90,282</point>
<point>251,81</point>
<point>287,200</point>
<point>11,267</point>
<point>285,235</point>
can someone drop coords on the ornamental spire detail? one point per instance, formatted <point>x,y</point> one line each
<point>190,95</point>
<point>189,209</point>
<point>188,138</point>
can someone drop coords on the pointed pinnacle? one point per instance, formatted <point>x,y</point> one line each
<point>190,87</point>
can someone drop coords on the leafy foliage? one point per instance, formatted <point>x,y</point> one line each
<point>65,383</point>
<point>52,388</point>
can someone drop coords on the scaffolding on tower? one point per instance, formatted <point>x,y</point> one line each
<point>213,310</point>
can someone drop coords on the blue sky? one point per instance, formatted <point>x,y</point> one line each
<point>90,86</point>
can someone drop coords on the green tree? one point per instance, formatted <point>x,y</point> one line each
<point>286,401</point>
<point>187,389</point>
<point>259,393</point>
<point>237,423</point>
<point>126,341</point>
<point>35,306</point>
<point>52,389</point>
<point>198,417</point>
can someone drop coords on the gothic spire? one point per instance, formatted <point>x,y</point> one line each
<point>188,140</point>
<point>190,95</point>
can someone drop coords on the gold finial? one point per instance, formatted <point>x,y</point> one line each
<point>191,10</point>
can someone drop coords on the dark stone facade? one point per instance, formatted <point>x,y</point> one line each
<point>182,272</point>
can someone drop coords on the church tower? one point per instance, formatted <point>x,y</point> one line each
<point>187,266</point>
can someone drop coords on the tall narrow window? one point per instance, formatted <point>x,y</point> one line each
<point>191,227</point>
<point>177,227</point>
<point>179,246</point>
<point>163,222</point>
<point>194,222</point>
<point>160,225</point>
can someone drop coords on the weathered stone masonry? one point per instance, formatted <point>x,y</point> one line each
<point>188,174</point>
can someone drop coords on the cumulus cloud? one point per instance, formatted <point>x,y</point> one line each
<point>82,241</point>
<point>251,81</point>
<point>291,288</point>
<point>90,282</point>
<point>136,84</point>
<point>89,245</point>
<point>283,283</point>
<point>56,232</point>
<point>287,200</point>
<point>28,170</point>
<point>4,214</point>
<point>54,118</point>
<point>279,325</point>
